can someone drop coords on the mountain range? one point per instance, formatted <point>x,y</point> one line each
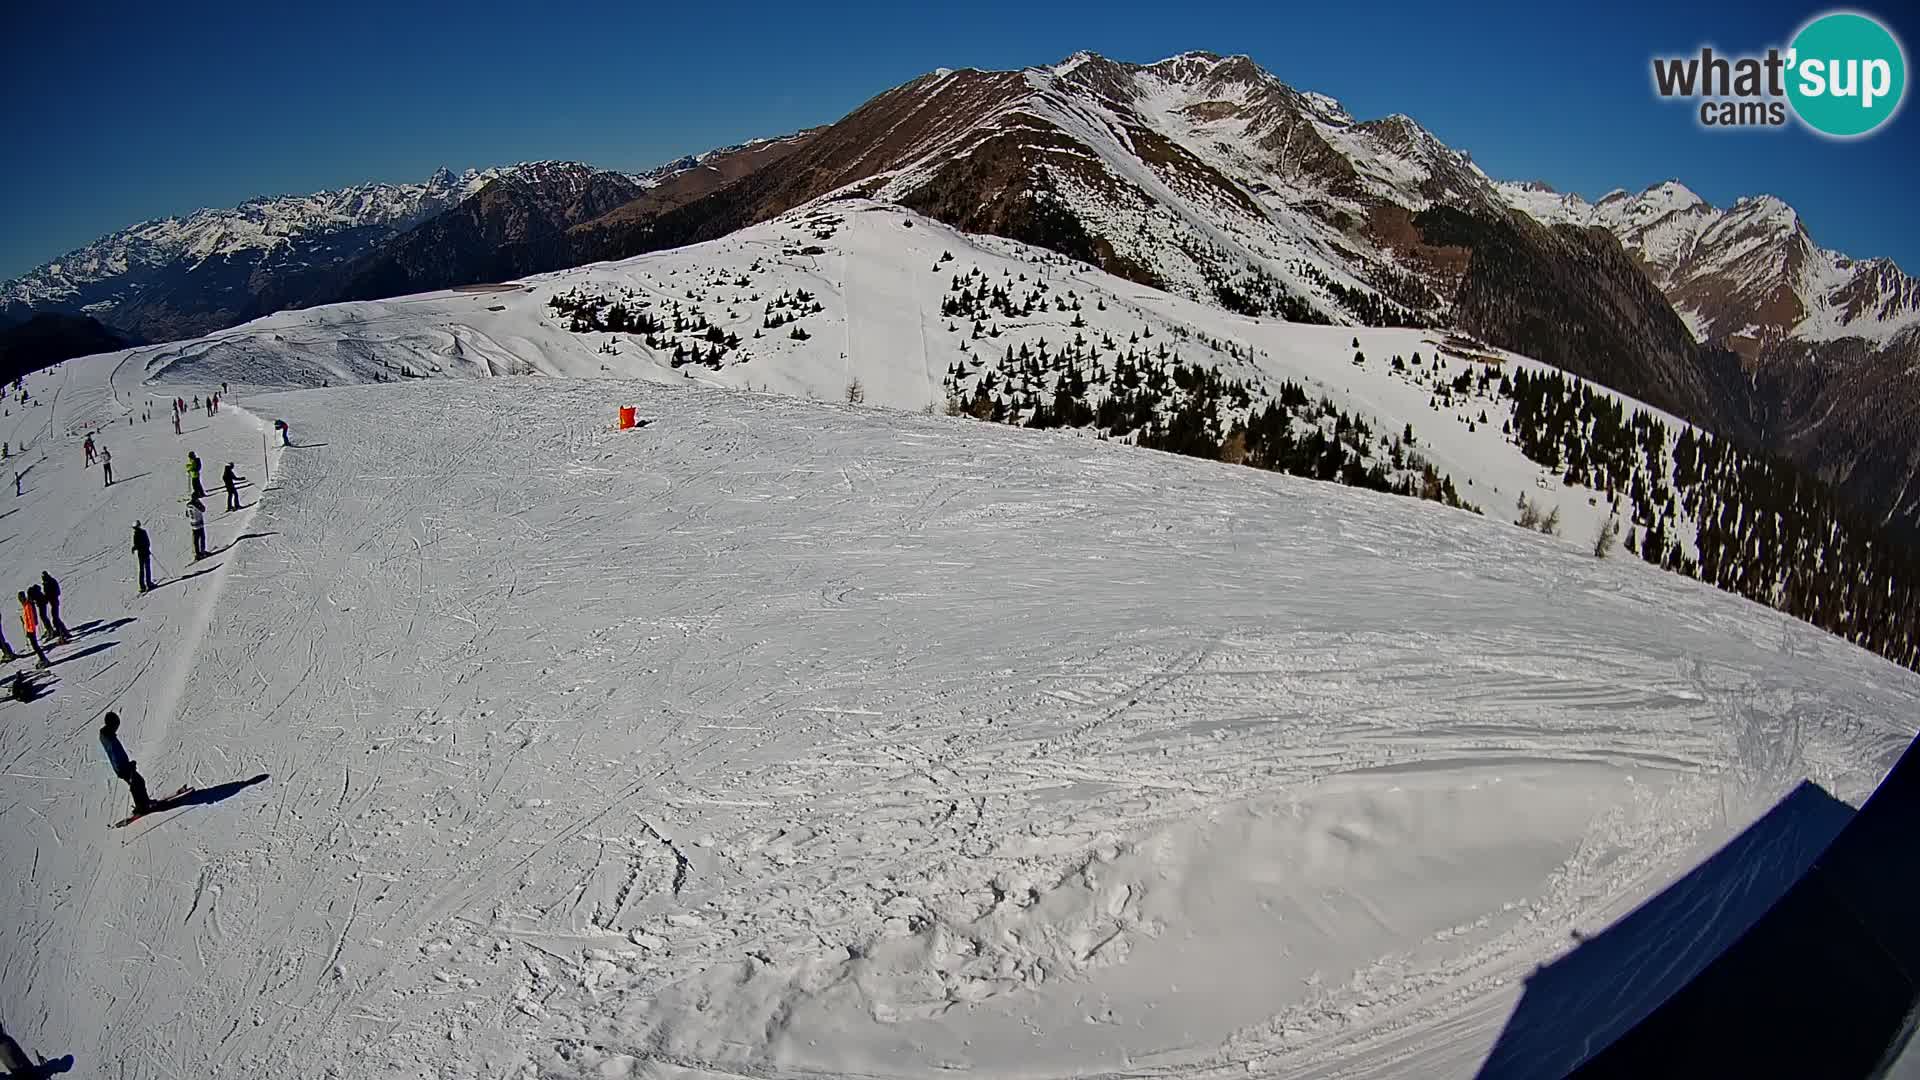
<point>1202,175</point>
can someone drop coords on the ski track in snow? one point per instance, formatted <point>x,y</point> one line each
<point>775,739</point>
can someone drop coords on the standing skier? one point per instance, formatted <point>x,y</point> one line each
<point>50,589</point>
<point>38,594</point>
<point>176,422</point>
<point>106,465</point>
<point>127,770</point>
<point>143,551</point>
<point>193,476</point>
<point>32,625</point>
<point>232,481</point>
<point>89,448</point>
<point>6,649</point>
<point>197,517</point>
<point>285,434</point>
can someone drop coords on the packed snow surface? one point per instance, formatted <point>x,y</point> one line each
<point>776,738</point>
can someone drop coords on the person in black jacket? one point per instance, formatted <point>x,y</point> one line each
<point>143,550</point>
<point>50,589</point>
<point>127,770</point>
<point>232,480</point>
<point>38,595</point>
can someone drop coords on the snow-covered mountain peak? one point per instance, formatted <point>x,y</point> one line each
<point>1197,66</point>
<point>1069,65</point>
<point>1765,208</point>
<point>262,224</point>
<point>1658,202</point>
<point>1540,201</point>
<point>1673,195</point>
<point>1742,276</point>
<point>1326,107</point>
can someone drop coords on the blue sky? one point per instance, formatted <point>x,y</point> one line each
<point>119,112</point>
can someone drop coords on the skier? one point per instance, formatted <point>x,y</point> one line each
<point>89,448</point>
<point>6,649</point>
<point>232,480</point>
<point>143,551</point>
<point>285,435</point>
<point>106,465</point>
<point>193,476</point>
<point>128,771</point>
<point>16,485</point>
<point>38,594</point>
<point>197,517</point>
<point>50,588</point>
<point>22,689</point>
<point>32,625</point>
<point>176,422</point>
<point>17,1064</point>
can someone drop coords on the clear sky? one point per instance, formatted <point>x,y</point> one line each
<point>119,112</point>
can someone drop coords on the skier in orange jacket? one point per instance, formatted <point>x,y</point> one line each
<point>32,623</point>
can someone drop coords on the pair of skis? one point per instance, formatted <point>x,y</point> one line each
<point>156,806</point>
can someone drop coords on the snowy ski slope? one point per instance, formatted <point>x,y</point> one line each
<point>779,738</point>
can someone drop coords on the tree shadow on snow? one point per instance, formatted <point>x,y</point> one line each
<point>1785,953</point>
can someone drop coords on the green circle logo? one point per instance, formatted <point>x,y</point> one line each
<point>1847,74</point>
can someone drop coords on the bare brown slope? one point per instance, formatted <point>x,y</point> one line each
<point>714,172</point>
<point>895,129</point>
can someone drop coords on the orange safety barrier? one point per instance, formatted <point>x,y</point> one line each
<point>627,419</point>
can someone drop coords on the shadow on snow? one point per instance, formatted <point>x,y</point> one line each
<point>1791,951</point>
<point>207,796</point>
